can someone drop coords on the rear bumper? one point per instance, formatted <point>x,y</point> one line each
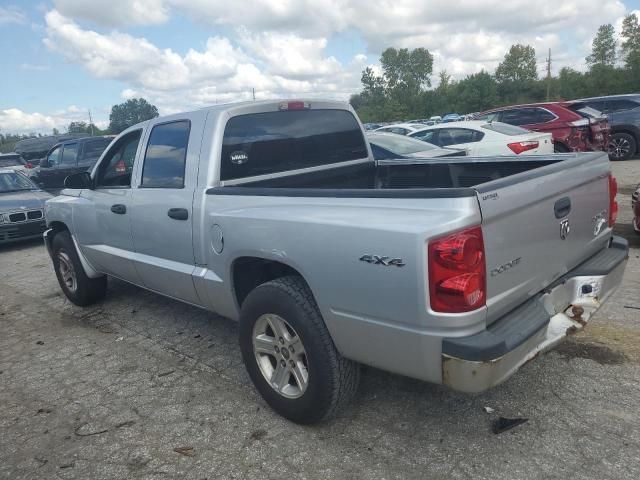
<point>481,361</point>
<point>15,232</point>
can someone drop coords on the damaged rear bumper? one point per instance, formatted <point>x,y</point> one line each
<point>481,361</point>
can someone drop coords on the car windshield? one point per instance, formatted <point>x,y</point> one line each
<point>15,182</point>
<point>399,144</point>
<point>505,128</point>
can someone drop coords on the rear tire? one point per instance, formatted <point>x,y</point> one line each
<point>78,288</point>
<point>303,378</point>
<point>622,146</point>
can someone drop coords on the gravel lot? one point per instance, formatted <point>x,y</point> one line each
<point>140,386</point>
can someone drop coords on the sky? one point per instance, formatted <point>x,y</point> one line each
<point>64,58</point>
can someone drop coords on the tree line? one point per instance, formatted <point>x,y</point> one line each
<point>122,116</point>
<point>403,89</point>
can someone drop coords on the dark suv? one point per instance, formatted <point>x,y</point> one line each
<point>67,158</point>
<point>624,119</point>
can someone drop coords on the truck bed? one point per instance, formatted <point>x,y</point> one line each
<point>402,178</point>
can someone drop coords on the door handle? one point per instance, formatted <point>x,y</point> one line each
<point>119,209</point>
<point>562,207</point>
<point>178,213</point>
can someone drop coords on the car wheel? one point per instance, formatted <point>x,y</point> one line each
<point>72,278</point>
<point>289,354</point>
<point>622,146</point>
<point>560,148</point>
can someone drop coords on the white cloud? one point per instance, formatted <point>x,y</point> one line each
<point>116,13</point>
<point>274,64</point>
<point>12,14</point>
<point>34,67</point>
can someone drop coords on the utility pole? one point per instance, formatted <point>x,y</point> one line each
<point>549,75</point>
<point>91,123</point>
<point>253,90</point>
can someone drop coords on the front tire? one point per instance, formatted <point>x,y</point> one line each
<point>78,288</point>
<point>289,354</point>
<point>622,146</point>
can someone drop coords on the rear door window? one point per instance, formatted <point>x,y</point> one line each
<point>69,155</point>
<point>164,160</point>
<point>544,116</point>
<point>271,142</point>
<point>619,105</point>
<point>457,136</point>
<point>520,116</point>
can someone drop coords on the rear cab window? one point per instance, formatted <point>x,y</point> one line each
<point>272,142</point>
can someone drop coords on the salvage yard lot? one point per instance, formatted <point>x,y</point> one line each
<point>140,386</point>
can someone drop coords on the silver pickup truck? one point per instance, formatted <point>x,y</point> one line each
<point>455,271</point>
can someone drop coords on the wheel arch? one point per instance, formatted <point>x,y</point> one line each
<point>249,272</point>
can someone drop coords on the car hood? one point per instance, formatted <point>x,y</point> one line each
<point>29,199</point>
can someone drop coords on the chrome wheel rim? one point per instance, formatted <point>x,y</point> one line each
<point>280,355</point>
<point>619,147</point>
<point>67,272</point>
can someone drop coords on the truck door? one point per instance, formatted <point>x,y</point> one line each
<point>163,206</point>
<point>47,169</point>
<point>102,222</point>
<point>68,164</point>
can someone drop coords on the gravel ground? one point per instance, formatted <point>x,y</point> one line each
<point>140,386</point>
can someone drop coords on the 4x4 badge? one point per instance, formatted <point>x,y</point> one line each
<point>565,228</point>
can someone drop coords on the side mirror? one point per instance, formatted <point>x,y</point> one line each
<point>78,180</point>
<point>44,163</point>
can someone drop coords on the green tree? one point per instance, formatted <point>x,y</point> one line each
<point>603,48</point>
<point>519,65</point>
<point>129,113</point>
<point>77,127</point>
<point>476,92</point>
<point>55,131</point>
<point>630,49</point>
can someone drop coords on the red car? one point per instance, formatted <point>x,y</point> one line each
<point>575,126</point>
<point>635,204</point>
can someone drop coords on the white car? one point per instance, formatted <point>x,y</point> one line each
<point>486,138</point>
<point>13,161</point>
<point>400,128</point>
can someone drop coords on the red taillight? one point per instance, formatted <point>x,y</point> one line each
<point>121,167</point>
<point>613,203</point>
<point>28,165</point>
<point>457,277</point>
<point>519,147</point>
<point>295,105</point>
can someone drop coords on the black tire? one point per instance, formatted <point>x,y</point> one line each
<point>332,379</point>
<point>560,148</point>
<point>622,146</point>
<point>85,290</point>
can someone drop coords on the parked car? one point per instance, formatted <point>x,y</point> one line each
<point>21,207</point>
<point>451,117</point>
<point>277,215</point>
<point>400,128</point>
<point>435,119</point>
<point>14,161</point>
<point>371,126</point>
<point>623,112</point>
<point>385,146</point>
<point>480,138</point>
<point>574,127</point>
<point>67,158</point>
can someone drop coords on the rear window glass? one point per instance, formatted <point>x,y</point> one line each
<point>94,148</point>
<point>584,111</point>
<point>505,128</point>
<point>270,142</point>
<point>10,161</point>
<point>400,145</point>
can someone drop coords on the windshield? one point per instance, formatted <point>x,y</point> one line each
<point>505,128</point>
<point>399,144</point>
<point>15,182</point>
